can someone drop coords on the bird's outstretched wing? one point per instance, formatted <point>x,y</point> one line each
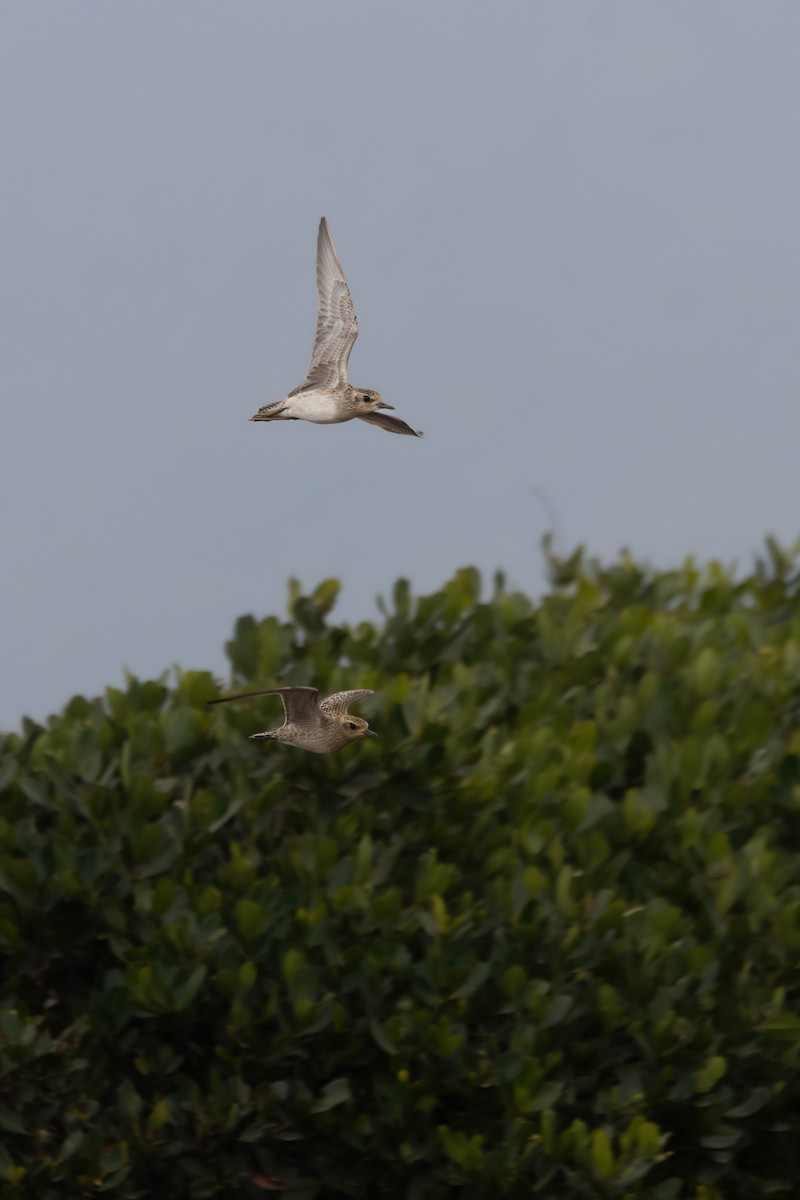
<point>299,703</point>
<point>393,424</point>
<point>340,702</point>
<point>337,327</point>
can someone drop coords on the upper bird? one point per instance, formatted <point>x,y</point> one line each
<point>319,726</point>
<point>325,396</point>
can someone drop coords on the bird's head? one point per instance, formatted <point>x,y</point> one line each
<point>354,727</point>
<point>368,401</point>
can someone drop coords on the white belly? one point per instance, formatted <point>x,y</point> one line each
<point>314,406</point>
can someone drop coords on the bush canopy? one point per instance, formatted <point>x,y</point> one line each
<point>540,938</point>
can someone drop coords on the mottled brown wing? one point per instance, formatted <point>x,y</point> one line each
<point>299,703</point>
<point>337,327</point>
<point>340,702</point>
<point>393,424</point>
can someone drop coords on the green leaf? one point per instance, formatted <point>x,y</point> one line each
<point>189,989</point>
<point>71,1144</point>
<point>546,1096</point>
<point>787,1025</point>
<point>556,1011</point>
<point>251,919</point>
<point>475,980</point>
<point>381,1037</point>
<point>231,811</point>
<point>721,1141</point>
<point>752,1104</point>
<point>334,1093</point>
<point>711,1073</point>
<point>602,1154</point>
<point>129,1100</point>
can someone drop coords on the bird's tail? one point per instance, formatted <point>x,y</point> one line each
<point>271,412</point>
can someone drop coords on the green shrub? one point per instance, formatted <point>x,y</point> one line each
<point>539,939</point>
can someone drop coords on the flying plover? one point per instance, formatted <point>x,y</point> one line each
<point>325,397</point>
<point>320,726</point>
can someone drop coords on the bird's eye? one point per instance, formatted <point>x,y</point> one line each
<point>366,399</point>
<point>350,725</point>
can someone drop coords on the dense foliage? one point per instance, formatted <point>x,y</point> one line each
<point>539,939</point>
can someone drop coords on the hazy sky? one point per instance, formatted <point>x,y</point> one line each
<point>571,235</point>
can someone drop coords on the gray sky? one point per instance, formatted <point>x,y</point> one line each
<point>571,235</point>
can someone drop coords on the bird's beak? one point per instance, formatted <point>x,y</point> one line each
<point>369,733</point>
<point>383,404</point>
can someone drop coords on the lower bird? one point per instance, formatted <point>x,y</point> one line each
<point>325,396</point>
<point>321,726</point>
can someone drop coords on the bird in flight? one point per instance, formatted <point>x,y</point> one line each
<point>325,396</point>
<point>320,726</point>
